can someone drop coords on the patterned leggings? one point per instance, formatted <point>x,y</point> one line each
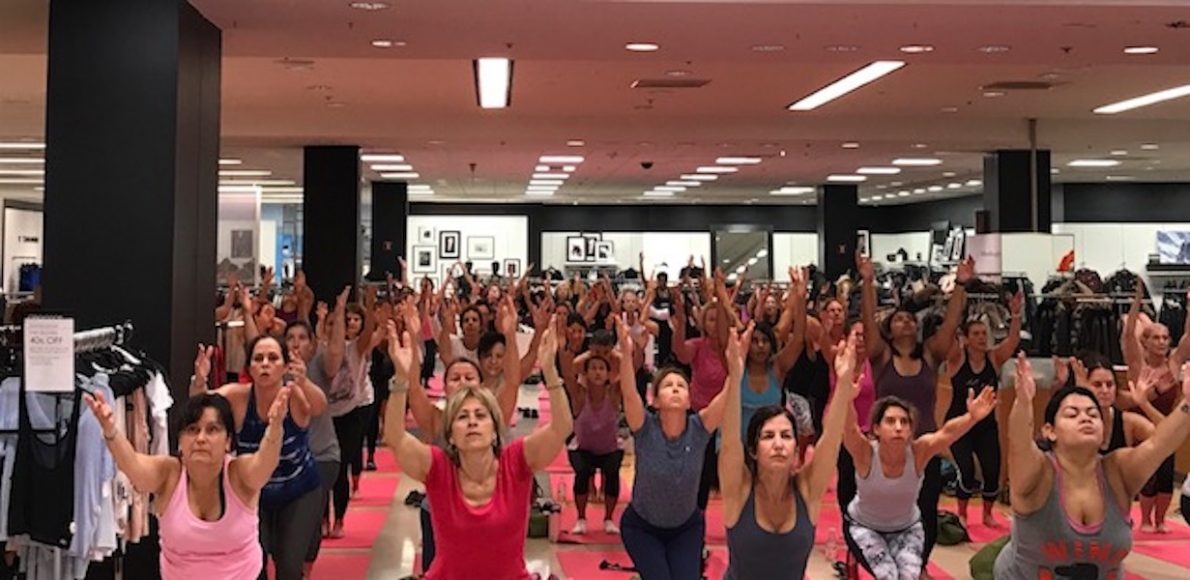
<point>890,556</point>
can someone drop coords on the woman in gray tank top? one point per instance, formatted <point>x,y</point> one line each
<point>883,523</point>
<point>1070,505</point>
<point>770,512</point>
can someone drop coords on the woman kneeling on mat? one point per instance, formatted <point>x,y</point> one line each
<point>769,511</point>
<point>596,446</point>
<point>478,488</point>
<point>1071,504</point>
<point>883,525</point>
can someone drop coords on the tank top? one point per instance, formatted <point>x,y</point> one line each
<point>751,401</point>
<point>967,379</point>
<point>865,399</point>
<point>1118,439</point>
<point>707,374</point>
<point>296,472</point>
<point>43,475</point>
<point>810,378</point>
<point>595,429</point>
<point>754,552</point>
<point>887,504</point>
<point>195,548</point>
<point>348,386</point>
<point>919,390</point>
<point>1048,544</point>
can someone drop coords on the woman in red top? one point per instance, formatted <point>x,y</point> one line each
<point>478,488</point>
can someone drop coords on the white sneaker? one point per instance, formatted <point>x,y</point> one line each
<point>580,528</point>
<point>609,527</point>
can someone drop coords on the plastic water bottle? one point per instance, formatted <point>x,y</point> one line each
<point>831,550</point>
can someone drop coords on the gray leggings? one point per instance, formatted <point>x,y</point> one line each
<point>328,471</point>
<point>891,556</point>
<point>285,533</point>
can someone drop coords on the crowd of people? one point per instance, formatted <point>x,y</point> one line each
<point>766,400</point>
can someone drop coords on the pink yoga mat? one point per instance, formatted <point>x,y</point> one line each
<point>585,564</point>
<point>385,461</point>
<point>360,529</point>
<point>376,490</point>
<point>1173,553</point>
<point>338,566</point>
<point>1178,530</point>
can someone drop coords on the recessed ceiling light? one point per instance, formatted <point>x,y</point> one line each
<point>22,172</point>
<point>974,183</point>
<point>673,188</point>
<point>546,182</point>
<point>684,183</point>
<point>845,178</point>
<point>847,84</point>
<point>576,143</point>
<point>994,48</point>
<point>21,161</point>
<point>903,193</point>
<point>850,145</point>
<point>560,159</point>
<point>1120,178</point>
<point>948,174</point>
<point>920,145</point>
<point>882,186</point>
<point>917,161</point>
<point>699,177</point>
<point>949,109</point>
<point>1119,152</point>
<point>370,6</point>
<point>542,168</point>
<point>993,94</point>
<point>1141,50</point>
<point>917,48</point>
<point>655,193</point>
<point>1055,171</point>
<point>642,46</point>
<point>493,82</point>
<point>953,185</point>
<point>256,182</point>
<point>568,168</point>
<point>919,191</point>
<point>841,48</point>
<point>877,197</point>
<point>792,190</point>
<point>21,180</point>
<point>935,188</point>
<point>678,73</point>
<point>551,175</point>
<point>400,175</point>
<point>878,170</point>
<point>896,184</point>
<point>226,161</point>
<point>1093,163</point>
<point>386,43</point>
<point>245,173</point>
<point>1149,146</point>
<point>768,47</point>
<point>1144,100</point>
<point>22,145</point>
<point>738,160</point>
<point>716,169</point>
<point>392,167</point>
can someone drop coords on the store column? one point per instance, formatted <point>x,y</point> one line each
<point>132,132</point>
<point>838,219</point>
<point>330,219</point>
<point>390,217</point>
<point>1016,190</point>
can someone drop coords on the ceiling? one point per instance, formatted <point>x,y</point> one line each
<point>298,73</point>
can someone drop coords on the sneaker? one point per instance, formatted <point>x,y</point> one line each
<point>371,466</point>
<point>580,528</point>
<point>609,527</point>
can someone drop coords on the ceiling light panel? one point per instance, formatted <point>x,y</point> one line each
<point>878,170</point>
<point>21,161</point>
<point>847,84</point>
<point>699,177</point>
<point>401,175</point>
<point>493,82</point>
<point>1094,163</point>
<point>843,178</point>
<point>916,162</point>
<point>381,158</point>
<point>392,167</point>
<point>738,160</point>
<point>716,169</point>
<point>642,46</point>
<point>560,159</point>
<point>551,175</point>
<point>1144,100</point>
<point>21,145</point>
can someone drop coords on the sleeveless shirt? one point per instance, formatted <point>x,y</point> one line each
<point>756,553</point>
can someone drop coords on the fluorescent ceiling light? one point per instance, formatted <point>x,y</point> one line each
<point>642,46</point>
<point>245,173</point>
<point>430,192</point>
<point>1120,178</point>
<point>699,177</point>
<point>401,175</point>
<point>1094,163</point>
<point>1141,50</point>
<point>22,145</point>
<point>974,183</point>
<point>21,161</point>
<point>22,172</point>
<point>1144,100</point>
<point>792,191</point>
<point>877,197</point>
<point>541,189</point>
<point>847,84</point>
<point>738,160</point>
<point>954,185</point>
<point>917,162</point>
<point>283,189</point>
<point>1149,146</point>
<point>257,182</point>
<point>674,188</point>
<point>917,48</point>
<point>382,158</point>
<point>568,168</point>
<point>493,82</point>
<point>903,193</point>
<point>935,188</point>
<point>21,181</point>
<point>546,182</point>
<point>850,145</point>
<point>659,193</point>
<point>1119,152</point>
<point>716,169</point>
<point>230,162</point>
<point>575,143</point>
<point>878,170</point>
<point>539,193</point>
<point>919,191</point>
<point>846,178</point>
<point>369,6</point>
<point>684,183</point>
<point>393,167</point>
<point>542,168</point>
<point>560,159</point>
<point>238,189</point>
<point>762,254</point>
<point>994,48</point>
<point>551,175</point>
<point>386,43</point>
<point>417,186</point>
<point>948,174</point>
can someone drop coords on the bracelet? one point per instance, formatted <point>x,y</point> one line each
<point>398,386</point>
<point>110,437</point>
<point>555,387</point>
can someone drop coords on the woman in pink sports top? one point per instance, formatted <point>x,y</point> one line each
<point>206,499</point>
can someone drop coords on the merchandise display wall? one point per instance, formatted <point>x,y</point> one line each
<point>1107,247</point>
<point>434,243</point>
<point>22,243</point>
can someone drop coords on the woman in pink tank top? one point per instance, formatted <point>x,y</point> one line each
<point>206,499</point>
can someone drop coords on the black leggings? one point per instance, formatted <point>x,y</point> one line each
<point>845,488</point>
<point>350,430</point>
<point>372,427</point>
<point>1162,480</point>
<point>982,442</point>
<point>710,472</point>
<point>586,463</point>
<point>427,367</point>
<point>927,501</point>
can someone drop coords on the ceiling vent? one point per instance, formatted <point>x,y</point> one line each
<point>670,83</point>
<point>1020,86</point>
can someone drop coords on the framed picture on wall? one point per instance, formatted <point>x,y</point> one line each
<point>512,267</point>
<point>576,249</point>
<point>605,250</point>
<point>448,244</point>
<point>423,260</point>
<point>425,235</point>
<point>863,242</point>
<point>481,247</point>
<point>589,241</point>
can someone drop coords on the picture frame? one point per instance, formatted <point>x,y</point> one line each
<point>863,242</point>
<point>605,251</point>
<point>512,267</point>
<point>481,248</point>
<point>423,259</point>
<point>576,249</point>
<point>958,248</point>
<point>589,241</point>
<point>448,244</point>
<point>425,235</point>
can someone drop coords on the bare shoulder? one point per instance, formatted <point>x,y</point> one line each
<point>173,475</point>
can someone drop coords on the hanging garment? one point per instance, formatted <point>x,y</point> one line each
<point>43,475</point>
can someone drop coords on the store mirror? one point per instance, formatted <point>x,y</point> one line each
<point>743,252</point>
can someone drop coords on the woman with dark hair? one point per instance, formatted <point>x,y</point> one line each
<point>205,499</point>
<point>768,361</point>
<point>906,367</point>
<point>663,525</point>
<point>769,509</point>
<point>883,522</point>
<point>972,365</point>
<point>1094,373</point>
<point>595,402</point>
<point>1070,504</point>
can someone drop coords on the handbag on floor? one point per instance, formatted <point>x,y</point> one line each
<point>983,563</point>
<point>951,530</point>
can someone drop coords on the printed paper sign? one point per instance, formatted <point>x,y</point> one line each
<point>49,355</point>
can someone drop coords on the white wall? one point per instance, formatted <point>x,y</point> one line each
<point>672,249</point>
<point>912,242</point>
<point>1106,247</point>
<point>793,250</point>
<point>510,235</point>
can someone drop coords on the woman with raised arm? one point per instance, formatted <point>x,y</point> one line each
<point>205,499</point>
<point>663,525</point>
<point>595,401</point>
<point>1120,429</point>
<point>1070,504</point>
<point>906,367</point>
<point>883,523</point>
<point>478,487</point>
<point>769,510</point>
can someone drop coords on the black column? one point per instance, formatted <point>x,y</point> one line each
<point>330,219</point>
<point>536,228</point>
<point>132,131</point>
<point>390,216</point>
<point>838,219</point>
<point>1016,190</point>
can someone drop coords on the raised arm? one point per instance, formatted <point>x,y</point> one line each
<point>1026,463</point>
<point>248,305</point>
<point>712,414</point>
<point>506,393</point>
<point>733,472</point>
<point>255,469</point>
<point>796,342</point>
<point>1130,343</point>
<point>1141,393</point>
<point>1182,353</point>
<point>547,441</point>
<point>1137,464</point>
<point>448,314</point>
<point>336,348</point>
<point>873,340</point>
<point>634,407</point>
<point>310,395</point>
<point>413,456</point>
<point>148,473</point>
<point>822,466</point>
<point>678,345</point>
<point>931,444</point>
<point>1007,348</point>
<point>956,305</point>
<point>365,343</point>
<point>202,370</point>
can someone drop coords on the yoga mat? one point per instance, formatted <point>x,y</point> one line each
<point>560,464</point>
<point>584,564</point>
<point>386,462</point>
<point>376,490</point>
<point>339,566</point>
<point>981,534</point>
<point>1178,530</point>
<point>360,528</point>
<point>935,571</point>
<point>1165,551</point>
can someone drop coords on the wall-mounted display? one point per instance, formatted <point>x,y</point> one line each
<point>589,242</point>
<point>448,245</point>
<point>576,249</point>
<point>425,235</point>
<point>423,259</point>
<point>512,267</point>
<point>1173,247</point>
<point>605,250</point>
<point>481,248</point>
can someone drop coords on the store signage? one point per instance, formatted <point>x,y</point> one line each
<point>49,354</point>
